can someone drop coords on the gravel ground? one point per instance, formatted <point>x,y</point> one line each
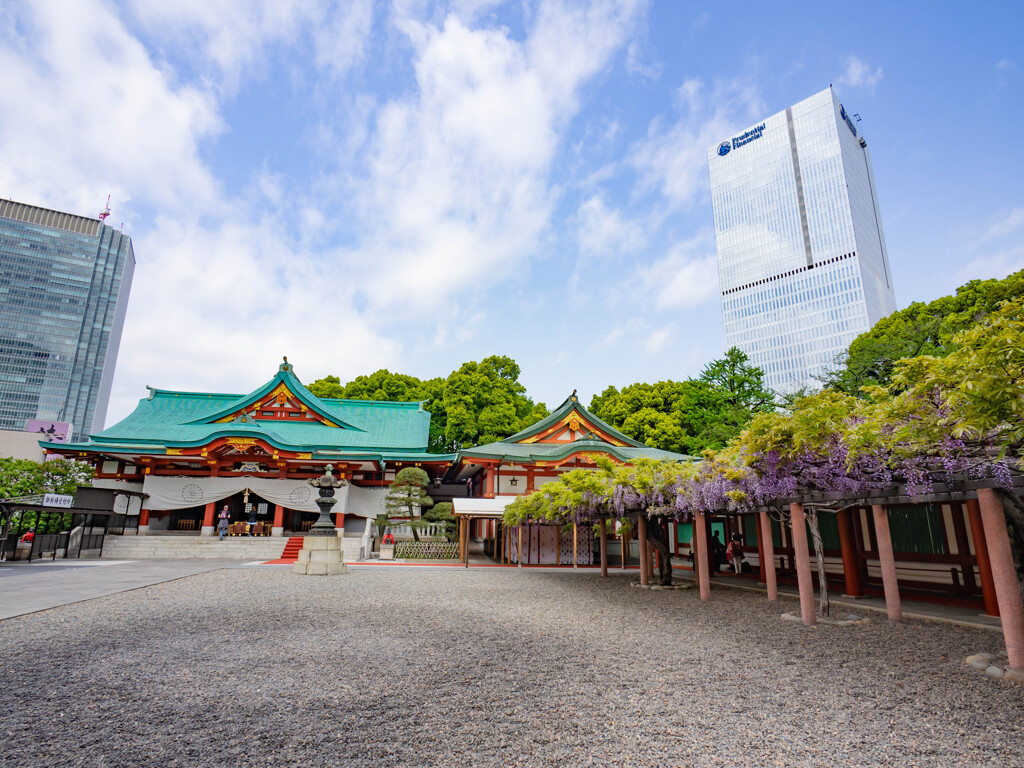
<point>474,668</point>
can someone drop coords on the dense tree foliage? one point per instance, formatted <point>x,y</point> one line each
<point>479,403</point>
<point>22,477</point>
<point>693,415</point>
<point>393,387</point>
<point>485,402</point>
<point>920,329</point>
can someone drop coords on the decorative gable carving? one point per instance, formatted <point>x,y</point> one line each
<point>280,404</point>
<point>574,426</point>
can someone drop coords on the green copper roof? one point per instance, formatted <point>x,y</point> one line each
<point>529,452</point>
<point>514,449</point>
<point>168,419</point>
<point>571,403</point>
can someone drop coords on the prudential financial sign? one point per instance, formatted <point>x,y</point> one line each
<point>738,141</point>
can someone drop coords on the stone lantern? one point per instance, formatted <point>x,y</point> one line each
<point>321,553</point>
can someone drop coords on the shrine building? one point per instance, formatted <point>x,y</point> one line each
<point>570,438</point>
<point>193,452</point>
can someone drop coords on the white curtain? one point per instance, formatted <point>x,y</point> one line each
<point>181,492</point>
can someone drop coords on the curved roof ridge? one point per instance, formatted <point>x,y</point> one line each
<point>570,403</point>
<point>285,375</point>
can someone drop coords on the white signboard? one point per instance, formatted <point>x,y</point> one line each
<point>58,500</point>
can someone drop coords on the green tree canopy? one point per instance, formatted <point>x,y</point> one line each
<point>693,415</point>
<point>394,387</point>
<point>920,329</point>
<point>22,477</point>
<point>485,402</point>
<point>479,403</point>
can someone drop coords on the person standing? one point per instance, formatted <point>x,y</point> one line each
<point>252,519</point>
<point>735,553</point>
<point>222,521</point>
<point>717,553</point>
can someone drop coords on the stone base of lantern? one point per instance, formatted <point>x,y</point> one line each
<point>320,556</point>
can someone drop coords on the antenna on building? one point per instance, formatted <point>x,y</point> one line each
<point>106,211</point>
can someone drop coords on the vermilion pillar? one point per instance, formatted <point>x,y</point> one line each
<point>803,563</point>
<point>339,522</point>
<point>700,539</point>
<point>888,563</point>
<point>988,586</point>
<point>278,527</point>
<point>143,522</point>
<point>1011,609</point>
<point>208,519</point>
<point>645,561</point>
<point>848,547</point>
<point>769,556</point>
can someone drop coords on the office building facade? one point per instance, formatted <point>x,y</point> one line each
<point>802,263</point>
<point>64,284</point>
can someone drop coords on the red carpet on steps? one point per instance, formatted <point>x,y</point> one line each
<point>290,554</point>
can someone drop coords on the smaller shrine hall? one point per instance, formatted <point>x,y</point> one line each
<point>193,452</point>
<point>570,438</point>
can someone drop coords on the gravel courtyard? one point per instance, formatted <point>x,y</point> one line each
<point>450,667</point>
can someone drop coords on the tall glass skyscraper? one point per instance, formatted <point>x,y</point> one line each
<point>802,263</point>
<point>64,283</point>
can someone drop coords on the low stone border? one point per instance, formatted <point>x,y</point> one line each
<point>675,585</point>
<point>850,620</point>
<point>995,665</point>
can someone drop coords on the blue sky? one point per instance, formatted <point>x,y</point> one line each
<point>413,184</point>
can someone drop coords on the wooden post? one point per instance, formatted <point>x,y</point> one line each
<point>558,545</point>
<point>604,547</point>
<point>988,586</point>
<point>575,546</point>
<point>700,538</point>
<point>143,522</point>
<point>641,532</point>
<point>848,547</point>
<point>624,549</point>
<point>278,527</point>
<point>519,551</point>
<point>762,572</point>
<point>1011,609</point>
<point>888,563</point>
<point>803,563</point>
<point>769,556</point>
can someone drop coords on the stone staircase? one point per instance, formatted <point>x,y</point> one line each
<point>155,547</point>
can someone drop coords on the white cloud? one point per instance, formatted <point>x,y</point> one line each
<point>232,37</point>
<point>658,339</point>
<point>84,112</point>
<point>684,278</point>
<point>602,231</point>
<point>452,191</point>
<point>1007,225</point>
<point>674,160</point>
<point>214,306</point>
<point>457,182</point>
<point>1004,65</point>
<point>859,75</point>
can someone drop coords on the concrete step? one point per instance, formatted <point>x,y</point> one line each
<point>188,547</point>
